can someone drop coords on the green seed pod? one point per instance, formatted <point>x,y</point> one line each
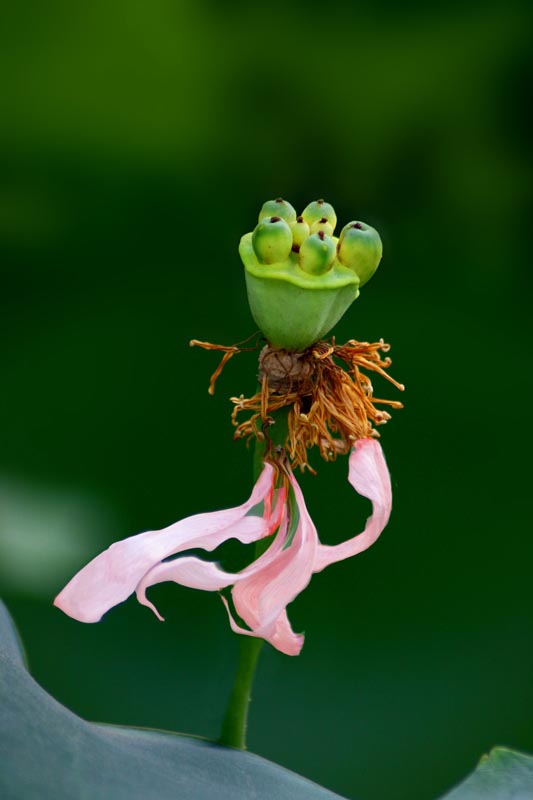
<point>300,231</point>
<point>318,209</point>
<point>322,224</point>
<point>278,208</point>
<point>360,249</point>
<point>272,240</point>
<point>317,253</point>
<point>297,287</point>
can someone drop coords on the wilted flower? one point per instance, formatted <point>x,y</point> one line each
<point>263,590</point>
<point>312,394</point>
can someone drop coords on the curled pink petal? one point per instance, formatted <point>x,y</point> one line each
<point>274,580</point>
<point>115,574</point>
<point>263,590</point>
<point>187,571</point>
<point>198,574</point>
<point>282,636</point>
<point>370,477</point>
<point>284,639</point>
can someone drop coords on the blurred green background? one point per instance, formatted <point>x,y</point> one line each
<point>137,143</point>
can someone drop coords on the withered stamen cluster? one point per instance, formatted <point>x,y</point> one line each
<point>329,399</point>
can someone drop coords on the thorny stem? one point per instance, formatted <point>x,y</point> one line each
<point>235,722</point>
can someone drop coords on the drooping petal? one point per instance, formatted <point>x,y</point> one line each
<point>370,477</point>
<point>282,636</point>
<point>115,574</point>
<point>187,571</point>
<point>198,574</point>
<point>265,588</point>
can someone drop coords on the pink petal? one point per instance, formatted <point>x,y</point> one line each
<point>198,574</point>
<point>282,638</point>
<point>265,588</point>
<point>370,477</point>
<point>187,571</point>
<point>114,574</point>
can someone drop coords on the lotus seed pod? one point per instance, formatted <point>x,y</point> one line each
<point>300,231</point>
<point>317,253</point>
<point>360,249</point>
<point>318,209</point>
<point>297,287</point>
<point>322,224</point>
<point>272,240</point>
<point>278,208</point>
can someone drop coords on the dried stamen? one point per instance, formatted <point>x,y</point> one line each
<point>330,405</point>
<point>228,350</point>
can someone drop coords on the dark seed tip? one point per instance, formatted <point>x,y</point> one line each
<point>275,219</point>
<point>321,235</point>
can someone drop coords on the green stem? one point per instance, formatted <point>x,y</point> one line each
<point>235,722</point>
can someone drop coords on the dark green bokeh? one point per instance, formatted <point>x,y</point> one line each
<point>137,144</point>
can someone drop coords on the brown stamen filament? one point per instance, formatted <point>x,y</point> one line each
<point>329,406</point>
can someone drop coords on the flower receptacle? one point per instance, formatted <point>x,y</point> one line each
<point>294,309</point>
<point>300,278</point>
